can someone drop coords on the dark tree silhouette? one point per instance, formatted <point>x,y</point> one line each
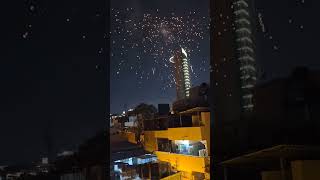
<point>143,112</point>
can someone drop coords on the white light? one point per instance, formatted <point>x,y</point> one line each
<point>247,96</point>
<point>243,29</point>
<point>171,59</point>
<point>246,57</point>
<point>247,86</point>
<point>245,39</point>
<point>243,3</point>
<point>238,12</point>
<point>246,48</point>
<point>248,67</point>
<point>185,142</point>
<point>241,20</point>
<point>248,77</point>
<point>249,106</point>
<point>184,52</point>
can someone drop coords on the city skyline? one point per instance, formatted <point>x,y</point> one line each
<point>143,39</point>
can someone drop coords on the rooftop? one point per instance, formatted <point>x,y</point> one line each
<point>195,110</point>
<point>271,156</point>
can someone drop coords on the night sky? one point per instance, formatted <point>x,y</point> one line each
<point>53,78</point>
<point>288,36</point>
<point>144,35</point>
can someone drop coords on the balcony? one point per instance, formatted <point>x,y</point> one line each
<point>184,162</point>
<point>176,176</point>
<point>183,133</point>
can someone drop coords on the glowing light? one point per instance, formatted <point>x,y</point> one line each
<point>184,52</point>
<point>172,59</point>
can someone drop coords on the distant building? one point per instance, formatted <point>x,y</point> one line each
<point>234,74</point>
<point>287,110</point>
<point>132,121</point>
<point>281,162</point>
<point>234,57</point>
<point>181,73</point>
<point>287,113</point>
<point>90,161</point>
<point>163,109</point>
<point>198,98</point>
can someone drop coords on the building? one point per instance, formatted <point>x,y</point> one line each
<point>233,63</point>
<point>132,119</point>
<point>183,141</point>
<point>287,110</point>
<point>198,98</point>
<point>145,166</point>
<point>181,73</point>
<point>281,162</point>
<point>89,162</point>
<point>234,74</point>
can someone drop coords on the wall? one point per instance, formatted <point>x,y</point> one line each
<point>305,170</point>
<point>205,118</point>
<point>183,162</point>
<point>131,137</point>
<point>150,141</point>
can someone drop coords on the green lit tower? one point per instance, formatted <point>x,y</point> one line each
<point>181,73</point>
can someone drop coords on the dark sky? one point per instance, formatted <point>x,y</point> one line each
<point>53,78</point>
<point>287,37</point>
<point>142,44</point>
<point>291,36</point>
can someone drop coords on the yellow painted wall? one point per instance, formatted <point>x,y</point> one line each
<point>196,120</point>
<point>207,175</point>
<point>150,141</point>
<point>189,133</point>
<point>131,137</point>
<point>186,133</point>
<point>186,175</point>
<point>205,118</point>
<point>183,133</point>
<point>183,162</point>
<point>161,134</point>
<point>305,170</point>
<point>271,175</point>
<point>192,176</point>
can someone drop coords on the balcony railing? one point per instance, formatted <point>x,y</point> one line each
<point>185,163</point>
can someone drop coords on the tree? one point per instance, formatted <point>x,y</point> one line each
<point>143,112</point>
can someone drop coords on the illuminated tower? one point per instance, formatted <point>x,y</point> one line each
<point>181,73</point>
<point>245,51</point>
<point>234,61</point>
<point>233,71</point>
